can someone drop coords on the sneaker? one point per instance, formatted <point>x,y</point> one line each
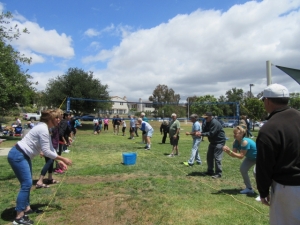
<point>252,137</point>
<point>148,148</point>
<point>247,191</point>
<point>66,151</point>
<point>171,155</point>
<point>216,176</point>
<point>258,199</point>
<point>187,164</point>
<point>23,220</point>
<point>199,163</point>
<point>176,154</point>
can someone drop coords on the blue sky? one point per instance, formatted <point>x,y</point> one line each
<point>196,47</point>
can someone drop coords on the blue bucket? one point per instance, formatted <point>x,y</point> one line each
<point>129,158</point>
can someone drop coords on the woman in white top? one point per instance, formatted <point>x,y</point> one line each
<point>36,141</point>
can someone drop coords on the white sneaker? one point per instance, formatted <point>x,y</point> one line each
<point>257,199</point>
<point>171,155</point>
<point>66,151</point>
<point>247,191</point>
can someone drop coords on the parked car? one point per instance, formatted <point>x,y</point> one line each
<point>77,117</point>
<point>262,123</point>
<point>32,116</point>
<point>256,124</point>
<point>87,118</point>
<point>230,123</point>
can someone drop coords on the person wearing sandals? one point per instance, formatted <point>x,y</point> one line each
<point>19,157</point>
<point>49,163</point>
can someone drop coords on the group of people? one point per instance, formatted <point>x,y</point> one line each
<point>143,124</point>
<point>38,141</point>
<point>275,154</point>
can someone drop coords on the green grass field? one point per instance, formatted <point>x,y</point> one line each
<point>99,189</point>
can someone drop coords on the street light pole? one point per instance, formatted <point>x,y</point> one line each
<point>251,85</point>
<point>188,108</point>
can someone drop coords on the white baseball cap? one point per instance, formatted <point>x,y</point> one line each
<point>276,91</point>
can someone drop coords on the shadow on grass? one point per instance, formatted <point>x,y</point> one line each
<point>10,213</point>
<point>228,191</point>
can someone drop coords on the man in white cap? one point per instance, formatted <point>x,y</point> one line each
<point>278,157</point>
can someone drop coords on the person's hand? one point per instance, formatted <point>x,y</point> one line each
<point>226,148</point>
<point>41,154</point>
<point>187,133</point>
<point>265,201</point>
<point>198,134</point>
<point>62,165</point>
<point>67,161</point>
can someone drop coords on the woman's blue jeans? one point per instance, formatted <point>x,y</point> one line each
<point>21,165</point>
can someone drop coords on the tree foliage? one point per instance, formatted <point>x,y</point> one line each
<point>77,83</point>
<point>205,104</point>
<point>15,85</point>
<point>254,109</point>
<point>164,95</point>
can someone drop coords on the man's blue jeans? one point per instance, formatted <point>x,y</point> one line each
<point>195,152</point>
<point>21,165</point>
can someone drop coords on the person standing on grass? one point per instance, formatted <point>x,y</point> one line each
<point>278,157</point>
<point>100,124</point>
<point>243,148</point>
<point>164,129</point>
<point>64,137</point>
<point>213,130</point>
<point>48,167</point>
<point>147,128</point>
<point>117,122</point>
<point>123,126</point>
<point>106,121</point>
<point>37,140</point>
<point>144,137</point>
<point>196,141</point>
<point>136,128</point>
<point>174,131</point>
<point>132,127</point>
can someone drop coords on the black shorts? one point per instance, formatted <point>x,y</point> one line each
<point>132,129</point>
<point>174,141</point>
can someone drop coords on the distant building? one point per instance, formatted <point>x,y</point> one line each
<point>121,106</point>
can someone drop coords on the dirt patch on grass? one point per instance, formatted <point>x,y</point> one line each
<point>97,179</point>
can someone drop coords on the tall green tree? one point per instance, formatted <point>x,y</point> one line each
<point>163,95</point>
<point>77,83</point>
<point>254,108</point>
<point>207,103</point>
<point>15,84</point>
<point>234,95</point>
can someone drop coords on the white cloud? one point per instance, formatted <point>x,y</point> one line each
<point>40,41</point>
<point>47,42</point>
<point>206,52</point>
<point>1,7</point>
<point>91,32</point>
<point>43,78</point>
